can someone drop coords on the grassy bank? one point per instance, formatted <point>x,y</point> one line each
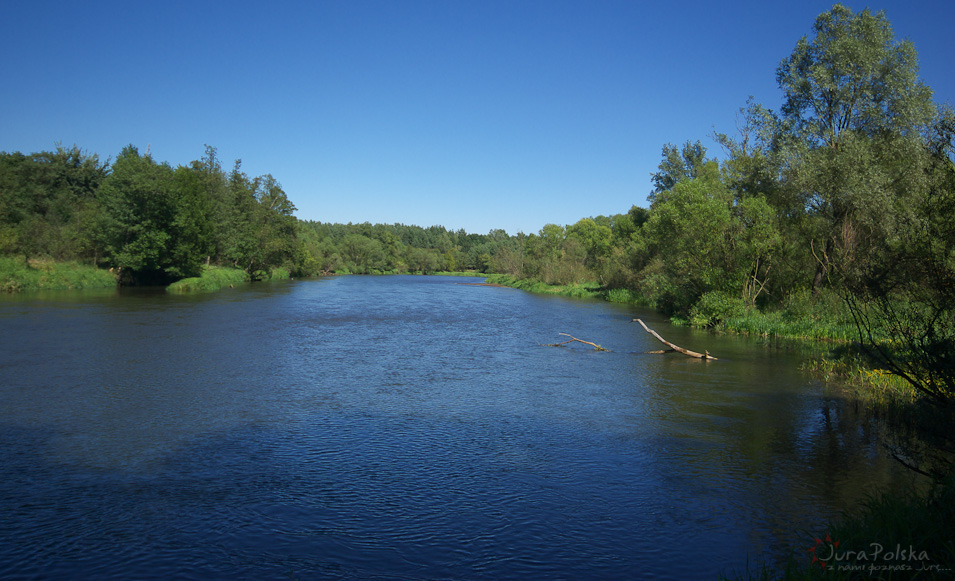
<point>213,278</point>
<point>579,290</point>
<point>19,274</point>
<point>466,273</point>
<point>805,316</point>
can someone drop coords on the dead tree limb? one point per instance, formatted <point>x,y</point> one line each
<point>572,339</point>
<point>705,355</point>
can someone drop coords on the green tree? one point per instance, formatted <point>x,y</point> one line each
<point>699,239</point>
<point>361,253</point>
<point>136,224</point>
<point>193,233</point>
<point>903,300</point>
<point>690,229</point>
<point>677,164</point>
<point>853,107</point>
<point>853,76</point>
<point>273,223</point>
<point>46,200</point>
<point>594,238</point>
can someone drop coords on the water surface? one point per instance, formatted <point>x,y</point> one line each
<point>403,427</point>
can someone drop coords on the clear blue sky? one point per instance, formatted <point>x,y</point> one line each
<point>467,114</point>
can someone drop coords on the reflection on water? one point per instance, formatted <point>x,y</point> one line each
<point>408,427</point>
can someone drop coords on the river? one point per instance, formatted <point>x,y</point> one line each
<point>404,427</point>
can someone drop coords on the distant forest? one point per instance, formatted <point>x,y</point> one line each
<point>154,224</point>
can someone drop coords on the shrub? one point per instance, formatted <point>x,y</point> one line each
<point>716,307</point>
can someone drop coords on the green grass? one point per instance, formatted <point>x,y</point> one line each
<point>778,324</point>
<point>627,297</point>
<point>279,273</point>
<point>19,274</point>
<point>855,377</point>
<point>467,273</point>
<point>577,290</point>
<point>213,278</point>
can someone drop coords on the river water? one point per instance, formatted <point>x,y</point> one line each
<point>404,428</point>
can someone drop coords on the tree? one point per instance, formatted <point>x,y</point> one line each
<point>705,241</point>
<point>273,222</point>
<point>853,109</point>
<point>260,230</point>
<point>193,235</point>
<point>361,253</point>
<point>903,301</point>
<point>136,225</point>
<point>594,238</point>
<point>677,165</point>
<point>691,230</point>
<point>852,77</point>
<point>46,202</point>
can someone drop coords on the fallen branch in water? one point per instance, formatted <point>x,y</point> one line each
<point>705,355</point>
<point>572,339</point>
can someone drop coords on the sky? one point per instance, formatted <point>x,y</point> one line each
<point>466,114</point>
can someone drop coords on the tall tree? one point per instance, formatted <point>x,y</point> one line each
<point>139,210</point>
<point>853,76</point>
<point>853,108</point>
<point>677,165</point>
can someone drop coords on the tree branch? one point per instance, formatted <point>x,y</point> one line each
<point>705,355</point>
<point>572,339</point>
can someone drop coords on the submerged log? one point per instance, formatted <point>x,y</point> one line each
<point>705,355</point>
<point>572,339</point>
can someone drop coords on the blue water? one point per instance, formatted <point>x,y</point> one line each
<point>403,428</point>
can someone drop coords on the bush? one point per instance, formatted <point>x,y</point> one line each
<point>715,308</point>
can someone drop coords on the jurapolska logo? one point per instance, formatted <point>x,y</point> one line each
<point>828,556</point>
<point>823,551</point>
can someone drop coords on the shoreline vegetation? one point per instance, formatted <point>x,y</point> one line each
<point>21,274</point>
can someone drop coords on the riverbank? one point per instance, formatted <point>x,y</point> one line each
<point>820,321</point>
<point>213,278</point>
<point>19,274</point>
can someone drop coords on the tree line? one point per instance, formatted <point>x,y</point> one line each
<point>844,195</point>
<point>396,248</point>
<point>853,175</point>
<point>149,222</point>
<point>154,224</point>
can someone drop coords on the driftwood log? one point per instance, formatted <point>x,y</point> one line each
<point>572,339</point>
<point>705,355</point>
